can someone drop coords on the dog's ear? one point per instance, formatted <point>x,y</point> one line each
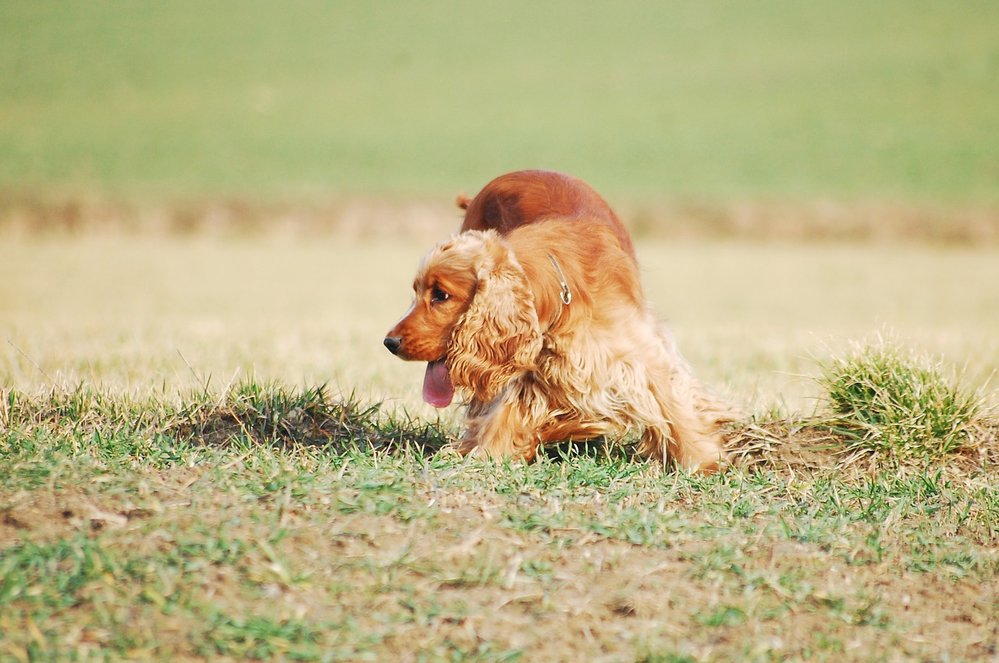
<point>462,201</point>
<point>498,336</point>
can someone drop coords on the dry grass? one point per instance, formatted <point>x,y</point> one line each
<point>163,496</point>
<point>882,221</point>
<point>812,444</point>
<point>149,315</point>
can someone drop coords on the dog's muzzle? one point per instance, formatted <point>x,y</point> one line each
<point>393,343</point>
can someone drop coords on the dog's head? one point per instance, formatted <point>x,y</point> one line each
<point>472,319</point>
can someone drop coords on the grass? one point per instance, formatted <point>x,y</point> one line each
<point>673,100</point>
<point>891,401</point>
<point>149,315</point>
<point>165,494</point>
<point>128,532</point>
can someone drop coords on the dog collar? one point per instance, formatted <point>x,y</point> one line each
<point>566,295</point>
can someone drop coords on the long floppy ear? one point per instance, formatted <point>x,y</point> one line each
<point>498,337</point>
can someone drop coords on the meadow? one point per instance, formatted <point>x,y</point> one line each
<point>850,100</point>
<point>210,214</point>
<point>144,314</point>
<point>206,453</point>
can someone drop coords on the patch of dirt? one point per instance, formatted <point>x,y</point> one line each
<point>44,516</point>
<point>809,444</point>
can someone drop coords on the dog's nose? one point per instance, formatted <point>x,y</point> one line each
<point>393,343</point>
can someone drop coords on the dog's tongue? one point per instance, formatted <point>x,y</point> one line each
<point>437,387</point>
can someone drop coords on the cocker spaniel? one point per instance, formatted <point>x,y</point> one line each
<point>546,332</point>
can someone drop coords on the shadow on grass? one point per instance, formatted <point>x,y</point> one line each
<point>269,414</point>
<point>275,415</point>
<point>266,414</point>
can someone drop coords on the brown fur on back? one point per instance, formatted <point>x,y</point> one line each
<point>524,197</point>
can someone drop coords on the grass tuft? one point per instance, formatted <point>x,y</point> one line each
<point>259,413</point>
<point>899,403</point>
<point>275,414</point>
<point>278,415</point>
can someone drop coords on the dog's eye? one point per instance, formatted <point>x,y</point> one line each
<point>437,295</point>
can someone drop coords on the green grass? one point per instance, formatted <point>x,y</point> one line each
<point>892,401</point>
<point>126,532</point>
<point>848,100</point>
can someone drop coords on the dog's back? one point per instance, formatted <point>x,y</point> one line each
<point>526,197</point>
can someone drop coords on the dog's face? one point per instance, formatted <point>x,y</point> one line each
<point>443,290</point>
<point>472,318</point>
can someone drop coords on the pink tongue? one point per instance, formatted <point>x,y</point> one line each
<point>437,387</point>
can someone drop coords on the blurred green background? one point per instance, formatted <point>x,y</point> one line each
<point>782,99</point>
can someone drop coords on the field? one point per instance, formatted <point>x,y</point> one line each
<point>163,498</point>
<point>785,100</point>
<point>211,214</point>
<point>141,314</point>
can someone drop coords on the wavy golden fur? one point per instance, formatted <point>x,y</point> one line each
<point>490,318</point>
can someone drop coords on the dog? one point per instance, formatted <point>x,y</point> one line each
<point>546,332</point>
<point>528,196</point>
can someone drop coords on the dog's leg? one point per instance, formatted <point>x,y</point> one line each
<point>688,434</point>
<point>692,442</point>
<point>504,428</point>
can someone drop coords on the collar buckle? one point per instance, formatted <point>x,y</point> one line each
<point>566,294</point>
